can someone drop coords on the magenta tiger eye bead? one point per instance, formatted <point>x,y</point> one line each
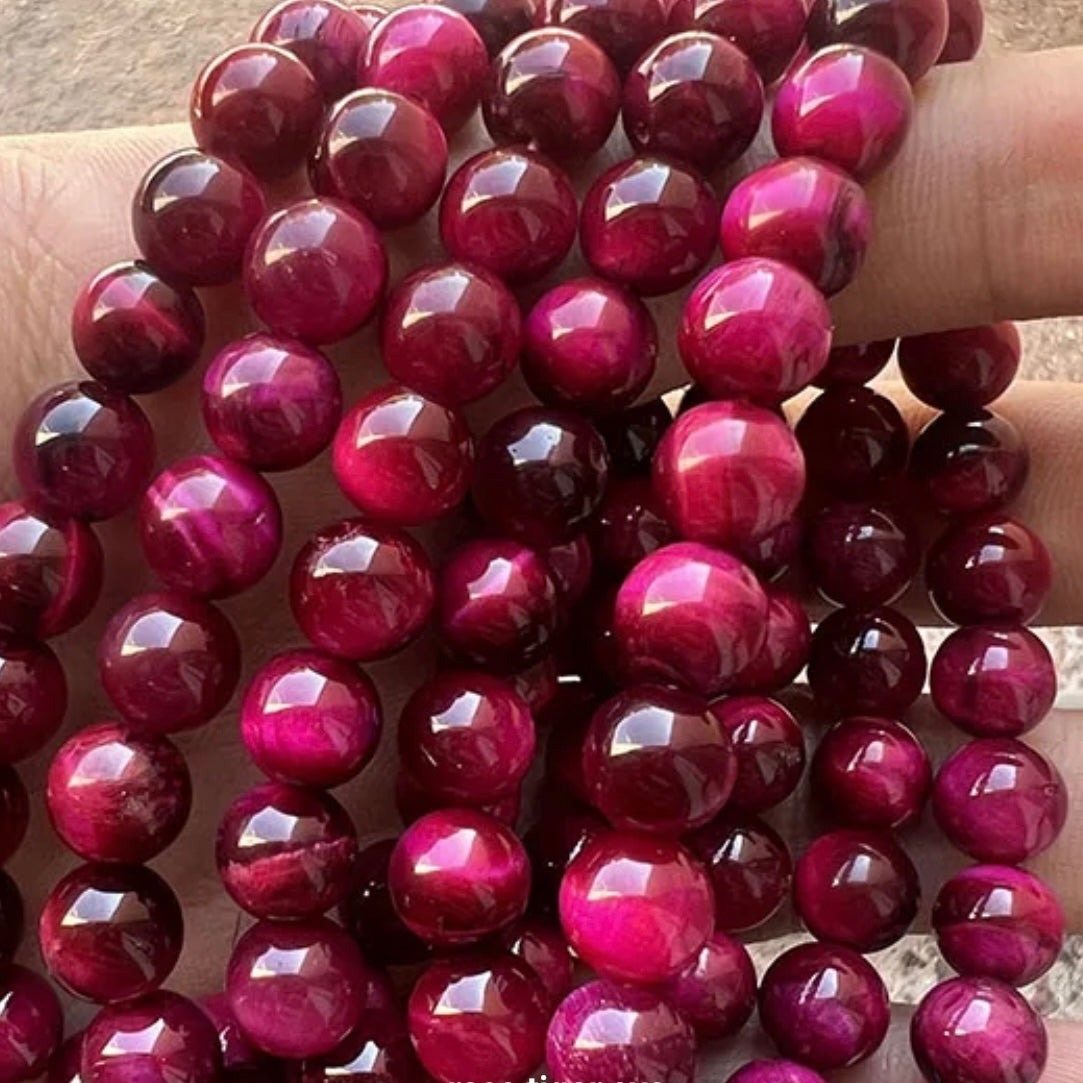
<point>543,948</point>
<point>976,1030</point>
<point>989,569</point>
<point>694,97</point>
<point>210,527</point>
<point>270,402</point>
<point>993,681</point>
<point>625,29</point>
<point>849,106</point>
<point>966,26</point>
<point>480,1016</point>
<point>135,332</point>
<point>993,921</point>
<point>257,105</point>
<point>14,813</point>
<point>497,21</point>
<point>604,1030</point>
<point>999,800</point>
<point>649,224</point>
<point>110,934</point>
<point>33,698</point>
<point>636,908</point>
<point>31,1025</point>
<point>961,370</point>
<point>383,154</point>
<point>872,773</point>
<point>511,211</point>
<point>859,364</point>
<point>825,1006</point>
<point>785,647</point>
<point>361,591</point>
<point>775,1071</point>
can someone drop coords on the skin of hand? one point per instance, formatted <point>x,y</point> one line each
<point>975,221</point>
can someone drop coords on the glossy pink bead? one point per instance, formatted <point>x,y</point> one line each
<point>31,1024</point>
<point>635,908</point>
<point>991,568</point>
<point>497,21</point>
<point>649,224</point>
<point>133,331</point>
<point>824,1006</point>
<point>849,106</point>
<point>430,54</point>
<point>12,920</point>
<point>192,216</point>
<point>554,90</point>
<point>111,934</point>
<point>993,681</point>
<point>608,1031</point>
<point>571,565</point>
<point>479,1016</point>
<point>994,921</point>
<point>775,1071</point>
<point>210,527</point>
<point>961,370</point>
<point>872,773</point>
<point>360,590</point>
<point>298,989</point>
<point>116,797</point>
<point>452,332</point>
<point>785,647</point>
<point>457,875</point>
<point>14,813</point>
<point>33,698</point>
<point>966,26</point>
<point>728,474</point>
<point>543,948</point>
<point>999,800</point>
<point>271,402</point>
<point>383,154</point>
<point>975,1030</point>
<point>855,364</point>
<point>511,211</point>
<point>625,29</point>
<point>315,270</point>
<point>257,105</point>
<point>628,526</point>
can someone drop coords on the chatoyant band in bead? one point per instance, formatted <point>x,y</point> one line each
<point>612,615</point>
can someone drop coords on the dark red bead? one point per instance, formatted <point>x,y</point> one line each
<point>694,97</point>
<point>378,1048</point>
<point>12,920</point>
<point>571,565</point>
<point>259,106</point>
<point>64,1067</point>
<point>552,842</point>
<point>31,1025</point>
<point>966,25</point>
<point>771,553</point>
<point>383,154</point>
<point>628,526</point>
<point>511,211</point>
<point>14,813</point>
<point>855,364</point>
<point>785,648</point>
<point>649,224</point>
<point>33,699</point>
<point>497,21</point>
<point>537,685</point>
<point>989,569</point>
<point>109,934</point>
<point>625,29</point>
<point>543,948</point>
<point>112,796</point>
<point>361,591</point>
<point>633,435</point>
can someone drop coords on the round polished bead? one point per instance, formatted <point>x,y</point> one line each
<point>872,773</point>
<point>649,224</point>
<point>609,1031</point>
<point>989,569</point>
<point>554,90</point>
<point>192,216</point>
<point>571,566</point>
<point>849,106</point>
<point>976,1030</point>
<point>511,211</point>
<point>478,1017</point>
<point>625,29</point>
<point>168,662</point>
<point>497,21</point>
<point>589,346</point>
<point>998,800</point>
<point>754,328</point>
<point>855,364</point>
<point>694,97</point>
<point>771,554</point>
<point>33,698</point>
<point>543,948</point>
<point>431,54</point>
<point>775,1071</point>
<point>210,527</point>
<point>552,842</point>
<point>628,526</point>
<point>457,875</point>
<point>383,154</point>
<point>285,852</point>
<point>133,331</point>
<point>12,920</point>
<point>31,1025</point>
<point>271,402</point>
<point>994,921</point>
<point>315,270</point>
<point>636,908</point>
<point>825,1006</point>
<point>111,934</point>
<point>298,989</point>
<point>14,813</point>
<point>157,1037</point>
<point>728,474</point>
<point>451,332</point>
<point>970,463</point>
<point>116,797</point>
<point>360,590</point>
<point>259,106</point>
<point>854,440</point>
<point>966,26</point>
<point>785,647</point>
<point>633,435</point>
<point>961,370</point>
<point>993,681</point>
